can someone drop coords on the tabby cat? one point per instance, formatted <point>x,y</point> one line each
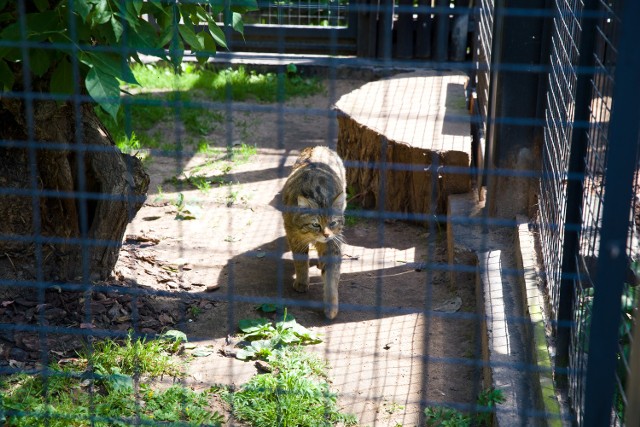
<point>314,199</point>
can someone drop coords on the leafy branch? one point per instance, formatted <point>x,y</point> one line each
<point>105,36</point>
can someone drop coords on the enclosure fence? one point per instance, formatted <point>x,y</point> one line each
<point>155,213</point>
<point>577,142</point>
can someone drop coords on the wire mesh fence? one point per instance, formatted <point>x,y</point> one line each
<point>171,252</point>
<point>308,13</point>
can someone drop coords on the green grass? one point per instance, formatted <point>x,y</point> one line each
<point>97,389</point>
<point>166,99</point>
<point>295,393</point>
<point>237,84</point>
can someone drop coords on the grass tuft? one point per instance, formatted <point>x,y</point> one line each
<point>97,389</point>
<point>296,393</point>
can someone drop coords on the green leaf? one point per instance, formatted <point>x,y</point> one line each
<point>217,33</point>
<point>190,37</point>
<point>39,61</point>
<point>268,308</point>
<point>209,47</point>
<point>6,76</point>
<point>175,335</point>
<point>237,23</point>
<point>137,4</point>
<point>101,12</point>
<point>117,27</point>
<point>61,78</point>
<point>253,325</point>
<point>119,382</point>
<point>245,353</point>
<point>202,352</point>
<point>82,8</point>
<point>105,90</point>
<point>109,63</point>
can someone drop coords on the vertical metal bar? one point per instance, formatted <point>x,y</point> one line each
<point>573,219</point>
<point>442,31</point>
<point>385,26</point>
<point>423,30</point>
<point>624,128</point>
<point>404,29</point>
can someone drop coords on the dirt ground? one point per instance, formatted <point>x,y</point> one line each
<point>394,344</point>
<point>402,339</point>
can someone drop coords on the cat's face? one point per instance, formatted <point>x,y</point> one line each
<point>320,228</point>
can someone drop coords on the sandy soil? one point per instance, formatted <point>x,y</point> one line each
<point>401,341</point>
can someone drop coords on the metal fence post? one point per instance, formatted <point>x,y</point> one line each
<point>612,260</point>
<point>573,219</point>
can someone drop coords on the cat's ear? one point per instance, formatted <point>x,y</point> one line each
<point>339,202</point>
<point>303,202</point>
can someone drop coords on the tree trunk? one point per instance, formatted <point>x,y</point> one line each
<point>66,193</point>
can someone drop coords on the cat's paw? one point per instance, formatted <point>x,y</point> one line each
<point>300,286</point>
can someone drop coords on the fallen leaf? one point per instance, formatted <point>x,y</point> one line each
<point>87,326</point>
<point>202,352</point>
<point>449,306</point>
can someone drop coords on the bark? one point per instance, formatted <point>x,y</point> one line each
<point>66,198</point>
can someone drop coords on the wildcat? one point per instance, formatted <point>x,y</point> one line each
<point>314,198</point>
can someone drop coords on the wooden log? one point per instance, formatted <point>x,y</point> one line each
<point>399,135</point>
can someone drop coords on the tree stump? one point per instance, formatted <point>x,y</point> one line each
<point>66,193</point>
<point>397,134</point>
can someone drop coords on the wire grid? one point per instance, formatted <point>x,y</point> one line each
<point>557,141</point>
<point>387,350</point>
<point>593,197</point>
<point>484,19</point>
<point>313,13</point>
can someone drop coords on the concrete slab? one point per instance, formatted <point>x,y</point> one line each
<point>514,341</point>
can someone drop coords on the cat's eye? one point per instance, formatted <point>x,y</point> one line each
<point>316,225</point>
<point>333,224</point>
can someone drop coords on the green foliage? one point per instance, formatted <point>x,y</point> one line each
<point>238,84</point>
<point>97,38</point>
<point>447,417</point>
<point>296,393</point>
<point>97,389</point>
<point>264,338</point>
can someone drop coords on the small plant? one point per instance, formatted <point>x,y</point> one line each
<point>488,400</point>
<point>448,417</point>
<point>295,392</point>
<point>185,211</point>
<point>263,337</point>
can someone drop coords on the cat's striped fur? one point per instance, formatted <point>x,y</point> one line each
<point>314,198</point>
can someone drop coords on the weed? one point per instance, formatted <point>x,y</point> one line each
<point>195,311</point>
<point>264,338</point>
<point>487,401</point>
<point>97,389</point>
<point>185,211</point>
<point>446,417</point>
<point>296,393</point>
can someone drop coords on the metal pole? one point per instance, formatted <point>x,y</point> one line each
<point>624,128</point>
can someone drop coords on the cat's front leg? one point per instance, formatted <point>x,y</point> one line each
<point>330,255</point>
<point>301,266</point>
